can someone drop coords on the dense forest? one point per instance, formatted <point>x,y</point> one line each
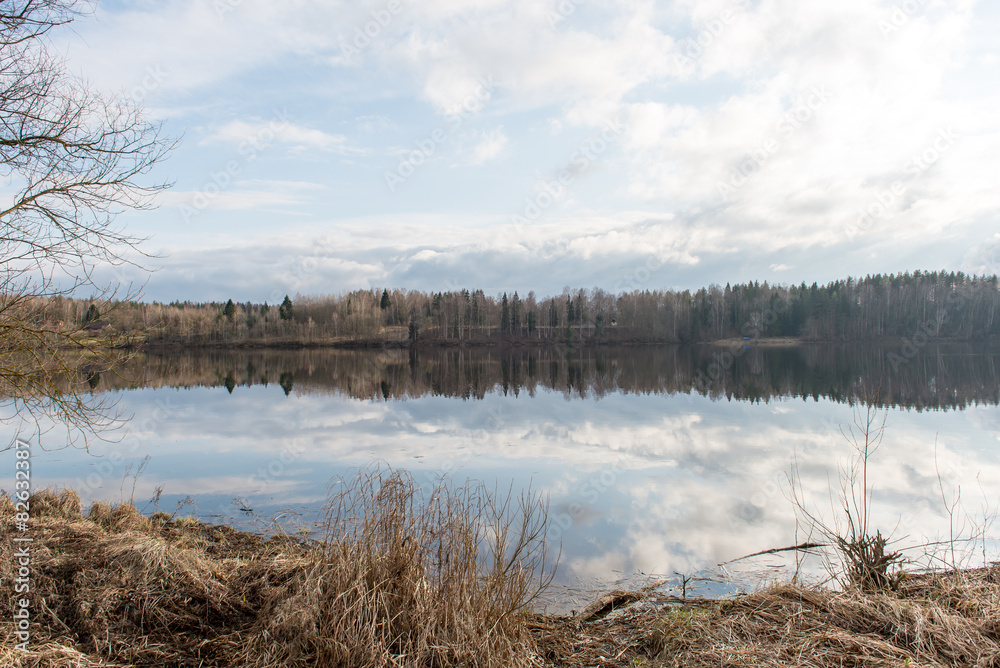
<point>912,306</point>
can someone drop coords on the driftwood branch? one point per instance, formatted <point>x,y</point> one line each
<point>775,550</point>
<point>614,600</point>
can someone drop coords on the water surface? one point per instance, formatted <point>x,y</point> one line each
<point>656,461</point>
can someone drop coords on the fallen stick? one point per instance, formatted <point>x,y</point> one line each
<point>775,550</point>
<point>614,600</point>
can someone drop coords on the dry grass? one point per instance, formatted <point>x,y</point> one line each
<point>65,504</point>
<point>119,518</point>
<point>932,620</point>
<point>436,578</point>
<point>404,579</point>
<point>109,588</point>
<point>445,578</point>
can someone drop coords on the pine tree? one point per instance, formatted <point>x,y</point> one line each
<point>230,310</point>
<point>92,315</point>
<point>504,315</point>
<point>384,303</point>
<point>286,310</point>
<point>515,314</point>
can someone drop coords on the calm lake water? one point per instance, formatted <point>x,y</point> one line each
<point>655,461</point>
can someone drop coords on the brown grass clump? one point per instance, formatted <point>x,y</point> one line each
<point>412,577</point>
<point>57,503</point>
<point>49,655</point>
<point>100,514</point>
<point>127,517</point>
<point>789,625</point>
<point>106,588</point>
<point>145,588</point>
<point>6,506</point>
<point>119,518</point>
<point>439,580</point>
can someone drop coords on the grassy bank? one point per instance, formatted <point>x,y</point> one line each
<point>414,586</point>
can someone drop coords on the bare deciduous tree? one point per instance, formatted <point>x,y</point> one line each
<point>72,159</point>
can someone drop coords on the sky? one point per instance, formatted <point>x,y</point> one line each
<point>537,144</point>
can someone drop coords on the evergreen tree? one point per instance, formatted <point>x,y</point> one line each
<point>92,315</point>
<point>384,303</point>
<point>515,314</point>
<point>230,310</point>
<point>504,315</point>
<point>286,310</point>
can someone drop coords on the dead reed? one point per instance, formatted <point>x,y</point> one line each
<point>406,577</point>
<point>439,576</point>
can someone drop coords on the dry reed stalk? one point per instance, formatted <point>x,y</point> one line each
<point>403,580</point>
<point>413,577</point>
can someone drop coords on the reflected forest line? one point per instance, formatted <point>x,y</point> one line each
<point>937,376</point>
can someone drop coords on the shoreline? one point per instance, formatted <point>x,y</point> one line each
<point>111,584</point>
<point>775,342</point>
<point>298,344</point>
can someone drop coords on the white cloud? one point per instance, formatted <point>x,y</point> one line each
<point>243,194</point>
<point>538,64</point>
<point>745,99</point>
<point>491,146</point>
<point>253,134</point>
<point>198,43</point>
<point>831,118</point>
<point>984,258</point>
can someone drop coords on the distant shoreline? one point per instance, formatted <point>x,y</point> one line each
<point>772,342</point>
<point>437,344</point>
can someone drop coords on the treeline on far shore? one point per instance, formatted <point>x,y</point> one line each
<point>946,305</point>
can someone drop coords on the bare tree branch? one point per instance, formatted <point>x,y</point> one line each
<point>73,159</point>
